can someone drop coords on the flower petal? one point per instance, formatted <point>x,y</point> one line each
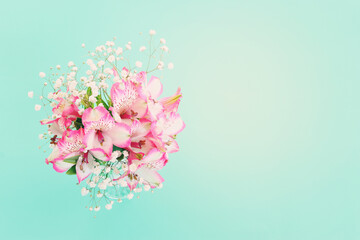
<point>150,175</point>
<point>119,134</point>
<point>83,168</point>
<point>154,87</point>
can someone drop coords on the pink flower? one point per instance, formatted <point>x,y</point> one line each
<point>102,132</point>
<point>171,103</point>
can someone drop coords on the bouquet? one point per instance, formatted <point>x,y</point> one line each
<point>108,125</point>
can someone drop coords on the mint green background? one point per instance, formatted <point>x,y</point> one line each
<point>271,101</point>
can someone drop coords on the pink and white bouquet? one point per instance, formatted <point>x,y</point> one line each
<point>108,124</point>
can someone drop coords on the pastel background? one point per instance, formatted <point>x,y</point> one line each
<point>271,101</point>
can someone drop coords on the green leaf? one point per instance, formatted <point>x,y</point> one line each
<point>71,171</point>
<point>72,159</point>
<point>88,92</point>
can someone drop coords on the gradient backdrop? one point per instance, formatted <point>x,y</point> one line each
<point>271,101</point>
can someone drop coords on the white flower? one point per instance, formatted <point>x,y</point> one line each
<point>41,136</point>
<point>138,64</point>
<point>160,65</point>
<point>130,196</point>
<point>119,200</point>
<point>58,67</point>
<point>152,32</point>
<point>141,49</point>
<point>41,97</point>
<point>81,111</point>
<point>102,185</point>
<point>92,184</point>
<point>88,72</point>
<point>164,48</point>
<point>100,63</point>
<point>37,107</point>
<point>111,58</point>
<point>160,186</point>
<point>97,208</point>
<point>90,208</point>
<point>83,45</point>
<point>92,99</point>
<point>128,46</point>
<point>146,187</point>
<point>30,94</point>
<point>42,74</point>
<point>99,194</point>
<point>119,51</point>
<point>84,191</point>
<point>45,83</point>
<point>70,64</point>
<point>107,169</point>
<point>162,40</point>
<point>108,206</point>
<point>170,66</point>
<point>126,154</point>
<point>74,69</point>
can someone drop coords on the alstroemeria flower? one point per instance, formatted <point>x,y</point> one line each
<point>148,166</point>
<point>102,132</point>
<point>171,103</point>
<point>67,108</point>
<point>71,145</point>
<point>126,100</point>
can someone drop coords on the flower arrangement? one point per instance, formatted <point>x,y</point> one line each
<point>108,125</point>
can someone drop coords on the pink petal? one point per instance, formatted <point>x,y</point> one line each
<point>83,168</point>
<point>154,87</point>
<point>119,134</point>
<point>61,166</point>
<point>149,175</point>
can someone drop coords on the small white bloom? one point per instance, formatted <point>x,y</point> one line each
<point>99,194</point>
<point>126,154</point>
<point>42,74</point>
<point>58,67</point>
<point>90,208</point>
<point>45,83</point>
<point>138,64</point>
<point>146,187</point>
<point>92,99</point>
<point>111,58</point>
<point>37,107</point>
<point>77,102</point>
<point>119,51</point>
<point>141,49</point>
<point>108,206</point>
<point>160,65</point>
<point>162,40</point>
<point>84,191</point>
<point>97,208</point>
<point>130,196</point>
<point>31,94</point>
<point>92,184</point>
<point>160,186</point>
<point>70,64</point>
<point>170,66</point>
<point>128,46</point>
<point>119,200</point>
<point>83,45</point>
<point>81,111</point>
<point>152,32</point>
<point>164,48</point>
<point>88,72</point>
<point>100,63</point>
<point>41,97</point>
<point>41,136</point>
<point>107,169</point>
<point>102,185</point>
